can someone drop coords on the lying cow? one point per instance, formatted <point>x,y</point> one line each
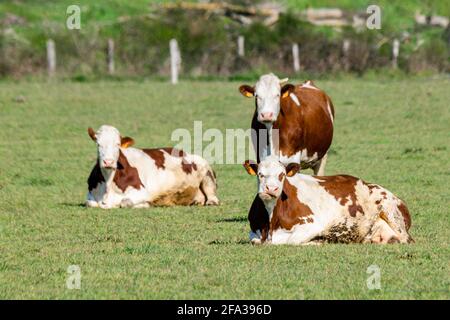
<point>129,177</point>
<point>307,209</point>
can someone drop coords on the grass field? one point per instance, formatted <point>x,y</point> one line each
<point>393,132</point>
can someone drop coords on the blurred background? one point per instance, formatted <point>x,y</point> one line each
<point>232,39</point>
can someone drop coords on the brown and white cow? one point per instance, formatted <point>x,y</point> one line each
<point>129,177</point>
<point>303,116</point>
<point>306,209</point>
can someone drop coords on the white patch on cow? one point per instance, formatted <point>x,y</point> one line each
<point>267,93</point>
<point>309,85</point>
<point>329,111</point>
<point>300,157</point>
<point>294,98</point>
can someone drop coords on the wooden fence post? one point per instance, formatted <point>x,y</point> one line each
<point>296,57</point>
<point>51,57</point>
<point>110,58</point>
<point>175,60</point>
<point>395,52</point>
<point>346,51</point>
<point>241,46</point>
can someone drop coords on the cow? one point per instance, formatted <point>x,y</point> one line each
<point>303,116</point>
<point>306,209</point>
<point>138,178</point>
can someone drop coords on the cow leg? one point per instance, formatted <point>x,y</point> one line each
<point>90,201</point>
<point>135,199</point>
<point>319,167</point>
<point>199,198</point>
<point>300,235</point>
<point>209,187</point>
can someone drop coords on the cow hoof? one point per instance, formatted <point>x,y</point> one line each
<point>91,204</point>
<point>104,205</point>
<point>393,240</point>
<point>126,203</point>
<point>256,241</point>
<point>212,202</point>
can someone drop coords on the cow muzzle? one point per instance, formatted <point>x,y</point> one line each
<point>266,117</point>
<point>270,193</point>
<point>108,164</point>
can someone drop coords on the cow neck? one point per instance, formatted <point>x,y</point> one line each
<point>110,174</point>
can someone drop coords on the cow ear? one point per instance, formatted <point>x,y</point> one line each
<point>292,169</point>
<point>251,167</point>
<point>286,90</point>
<point>91,133</point>
<point>247,91</point>
<point>126,142</point>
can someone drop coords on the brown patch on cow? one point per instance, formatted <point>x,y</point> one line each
<point>281,176</point>
<point>259,218</point>
<point>405,213</point>
<point>126,175</point>
<point>371,187</point>
<point>183,197</point>
<point>158,156</point>
<point>188,167</point>
<point>289,210</point>
<point>211,175</point>
<point>95,177</point>
<point>342,187</point>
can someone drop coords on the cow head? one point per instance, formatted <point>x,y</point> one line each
<point>271,174</point>
<point>109,142</point>
<point>268,93</point>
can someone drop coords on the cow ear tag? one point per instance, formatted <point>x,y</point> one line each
<point>126,142</point>
<point>285,94</point>
<point>249,168</point>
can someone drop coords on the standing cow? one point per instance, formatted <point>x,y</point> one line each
<point>129,177</point>
<point>302,114</point>
<point>307,209</point>
<point>303,117</point>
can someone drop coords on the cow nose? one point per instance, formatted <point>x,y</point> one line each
<point>271,189</point>
<point>108,163</point>
<point>267,116</point>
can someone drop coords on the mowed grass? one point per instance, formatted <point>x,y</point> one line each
<point>395,133</point>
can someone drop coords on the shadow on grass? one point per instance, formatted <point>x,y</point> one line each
<point>72,205</point>
<point>234,219</point>
<point>227,242</point>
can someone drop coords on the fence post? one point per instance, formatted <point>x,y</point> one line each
<point>395,52</point>
<point>241,46</point>
<point>110,57</point>
<point>175,60</point>
<point>51,57</point>
<point>346,51</point>
<point>296,57</point>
